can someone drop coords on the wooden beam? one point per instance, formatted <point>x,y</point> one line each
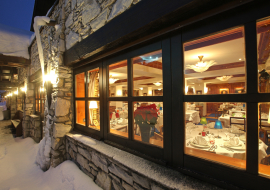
<point>210,78</point>
<point>5,74</point>
<point>220,67</point>
<point>8,84</point>
<point>13,61</point>
<point>7,88</point>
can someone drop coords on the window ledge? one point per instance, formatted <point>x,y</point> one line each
<point>153,172</point>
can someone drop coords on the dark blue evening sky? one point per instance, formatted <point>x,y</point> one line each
<point>17,13</point>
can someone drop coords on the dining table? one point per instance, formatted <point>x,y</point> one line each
<point>191,133</point>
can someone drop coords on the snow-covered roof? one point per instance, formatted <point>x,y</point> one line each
<point>14,41</point>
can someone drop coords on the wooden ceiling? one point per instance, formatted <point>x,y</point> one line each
<point>12,61</point>
<point>9,71</point>
<point>8,78</point>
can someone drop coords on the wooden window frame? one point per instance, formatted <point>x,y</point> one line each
<point>142,148</point>
<point>84,128</point>
<point>39,96</point>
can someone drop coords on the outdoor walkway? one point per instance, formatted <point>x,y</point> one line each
<point>5,133</point>
<point>19,170</point>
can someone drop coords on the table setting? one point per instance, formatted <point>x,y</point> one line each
<point>232,142</point>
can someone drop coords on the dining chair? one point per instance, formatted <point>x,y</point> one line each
<point>263,135</point>
<point>266,160</point>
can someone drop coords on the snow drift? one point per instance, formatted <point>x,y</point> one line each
<point>14,41</point>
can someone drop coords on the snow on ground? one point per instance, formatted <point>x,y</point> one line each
<point>19,171</point>
<point>14,41</point>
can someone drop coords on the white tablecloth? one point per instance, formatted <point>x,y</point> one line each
<point>220,142</point>
<point>1,113</point>
<point>193,116</point>
<point>226,120</point>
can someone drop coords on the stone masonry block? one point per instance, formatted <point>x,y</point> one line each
<point>99,161</point>
<point>74,148</point>
<point>143,181</point>
<point>62,107</point>
<point>85,153</point>
<point>83,162</point>
<point>103,180</point>
<point>116,170</point>
<point>60,130</point>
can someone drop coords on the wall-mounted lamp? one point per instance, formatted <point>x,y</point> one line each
<point>52,77</point>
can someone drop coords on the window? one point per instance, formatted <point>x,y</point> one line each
<point>264,138</point>
<point>80,85</point>
<point>118,79</point>
<point>40,98</point>
<point>87,99</point>
<point>263,42</point>
<point>215,64</point>
<point>217,131</point>
<point>148,122</point>
<point>147,74</point>
<point>146,79</point>
<point>93,104</point>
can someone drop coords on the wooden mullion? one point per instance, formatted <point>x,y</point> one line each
<point>86,81</point>
<point>251,57</point>
<point>177,100</point>
<point>167,100</point>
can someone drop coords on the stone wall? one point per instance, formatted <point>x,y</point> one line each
<point>13,105</point>
<point>77,19</point>
<point>28,108</point>
<point>84,17</point>
<point>35,128</point>
<point>107,172</point>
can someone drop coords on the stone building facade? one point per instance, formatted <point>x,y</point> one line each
<point>77,19</point>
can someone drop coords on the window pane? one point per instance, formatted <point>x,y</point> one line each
<point>80,112</point>
<point>148,122</point>
<point>93,83</point>
<point>215,64</point>
<point>118,79</point>
<point>118,113</point>
<point>147,74</point>
<point>263,41</point>
<point>216,131</point>
<point>79,85</point>
<point>94,114</point>
<point>264,138</point>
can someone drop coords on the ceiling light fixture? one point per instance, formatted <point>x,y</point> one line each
<point>112,80</point>
<point>201,66</point>
<point>224,78</point>
<point>157,83</point>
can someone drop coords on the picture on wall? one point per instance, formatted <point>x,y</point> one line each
<point>224,91</point>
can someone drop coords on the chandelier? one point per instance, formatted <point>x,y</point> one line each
<point>112,80</point>
<point>201,66</point>
<point>157,83</point>
<point>224,78</point>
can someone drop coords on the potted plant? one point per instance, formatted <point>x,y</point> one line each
<point>146,118</point>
